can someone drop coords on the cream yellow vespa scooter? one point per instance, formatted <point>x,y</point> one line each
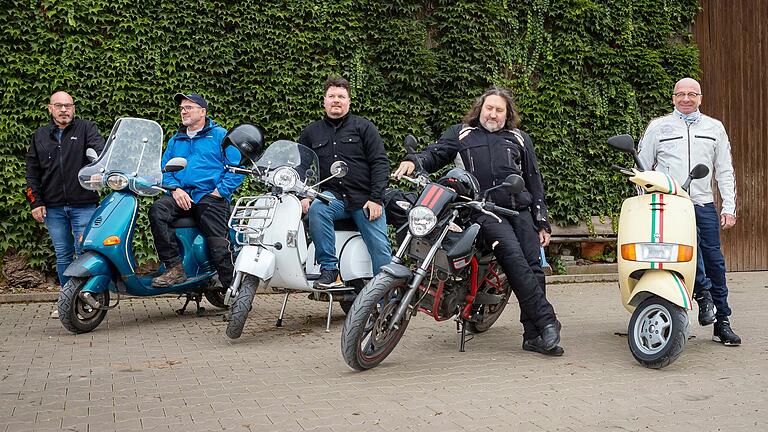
<point>657,260</point>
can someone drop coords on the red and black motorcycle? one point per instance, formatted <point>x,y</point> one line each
<point>449,272</point>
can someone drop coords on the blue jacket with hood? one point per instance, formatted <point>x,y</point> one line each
<point>206,160</point>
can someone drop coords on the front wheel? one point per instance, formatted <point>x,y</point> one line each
<point>75,314</point>
<point>241,306</point>
<point>657,332</point>
<point>365,338</point>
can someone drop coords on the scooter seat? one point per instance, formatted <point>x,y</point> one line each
<point>185,222</point>
<point>344,225</point>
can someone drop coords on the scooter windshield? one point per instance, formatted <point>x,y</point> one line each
<point>133,150</point>
<point>284,153</point>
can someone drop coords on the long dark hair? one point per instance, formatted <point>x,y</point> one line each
<point>512,121</point>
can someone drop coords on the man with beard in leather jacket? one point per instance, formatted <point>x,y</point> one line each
<point>491,147</point>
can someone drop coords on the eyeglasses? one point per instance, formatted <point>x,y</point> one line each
<point>690,95</point>
<point>66,106</point>
<point>188,108</point>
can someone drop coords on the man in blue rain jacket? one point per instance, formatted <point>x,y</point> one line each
<point>202,191</point>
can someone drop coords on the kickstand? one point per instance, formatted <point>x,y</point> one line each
<point>197,298</point>
<point>463,324</point>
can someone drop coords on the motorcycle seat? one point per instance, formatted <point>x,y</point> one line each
<point>184,222</point>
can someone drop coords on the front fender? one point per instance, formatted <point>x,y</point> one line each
<point>90,263</point>
<point>257,261</point>
<point>663,283</point>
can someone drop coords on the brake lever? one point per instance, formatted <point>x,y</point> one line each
<point>479,207</point>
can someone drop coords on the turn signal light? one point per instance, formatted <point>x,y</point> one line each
<point>656,252</point>
<point>111,240</point>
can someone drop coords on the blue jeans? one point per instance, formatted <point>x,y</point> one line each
<point>374,233</point>
<point>65,226</point>
<point>710,265</point>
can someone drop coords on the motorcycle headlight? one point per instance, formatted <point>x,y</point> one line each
<point>285,177</point>
<point>421,220</point>
<point>117,182</point>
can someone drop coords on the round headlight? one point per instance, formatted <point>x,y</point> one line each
<point>421,220</point>
<point>285,177</point>
<point>117,182</point>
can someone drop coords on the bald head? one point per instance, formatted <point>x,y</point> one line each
<point>687,95</point>
<point>62,108</point>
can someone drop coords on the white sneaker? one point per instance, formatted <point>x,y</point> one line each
<point>55,314</point>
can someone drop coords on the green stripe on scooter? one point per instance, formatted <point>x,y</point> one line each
<point>653,223</point>
<point>683,292</point>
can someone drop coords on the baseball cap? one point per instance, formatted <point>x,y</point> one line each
<point>194,97</point>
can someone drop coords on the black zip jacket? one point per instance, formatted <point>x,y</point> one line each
<point>52,167</point>
<point>491,157</point>
<point>356,141</point>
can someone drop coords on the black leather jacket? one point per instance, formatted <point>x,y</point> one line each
<point>491,157</point>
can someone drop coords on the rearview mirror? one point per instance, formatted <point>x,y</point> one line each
<point>699,171</point>
<point>175,164</point>
<point>339,169</point>
<point>514,183</point>
<point>410,142</point>
<point>91,154</point>
<point>624,143</point>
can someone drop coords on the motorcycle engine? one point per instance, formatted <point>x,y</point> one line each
<point>443,299</point>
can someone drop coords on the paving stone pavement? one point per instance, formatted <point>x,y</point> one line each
<point>147,369</point>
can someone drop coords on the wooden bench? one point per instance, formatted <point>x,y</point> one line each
<point>600,232</point>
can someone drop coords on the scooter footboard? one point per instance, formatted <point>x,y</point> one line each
<point>256,261</point>
<point>663,283</point>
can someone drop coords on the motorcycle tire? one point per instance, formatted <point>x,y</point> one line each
<point>242,306</point>
<point>74,313</point>
<point>365,338</point>
<point>492,312</point>
<point>657,332</point>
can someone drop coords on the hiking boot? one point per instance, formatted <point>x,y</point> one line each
<point>550,335</point>
<point>329,278</point>
<point>723,332</point>
<point>706,308</point>
<point>174,275</point>
<point>537,345</point>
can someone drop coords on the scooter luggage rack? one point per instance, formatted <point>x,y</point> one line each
<point>343,291</point>
<point>251,215</point>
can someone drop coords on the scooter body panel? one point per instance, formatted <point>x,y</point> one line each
<point>256,260</point>
<point>352,253</point>
<point>663,283</point>
<point>288,230</point>
<point>656,218</point>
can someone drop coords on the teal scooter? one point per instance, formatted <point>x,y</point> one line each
<point>130,167</point>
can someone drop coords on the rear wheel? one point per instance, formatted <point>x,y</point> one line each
<point>365,338</point>
<point>216,297</point>
<point>75,314</point>
<point>657,332</point>
<point>242,306</point>
<point>489,313</point>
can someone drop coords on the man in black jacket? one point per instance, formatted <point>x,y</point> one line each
<point>55,155</point>
<point>354,140</point>
<point>491,147</point>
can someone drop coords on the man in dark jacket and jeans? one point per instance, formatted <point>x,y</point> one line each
<point>55,156</point>
<point>201,190</point>
<point>354,140</point>
<point>491,148</point>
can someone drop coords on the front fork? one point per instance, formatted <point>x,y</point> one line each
<point>418,275</point>
<point>233,289</point>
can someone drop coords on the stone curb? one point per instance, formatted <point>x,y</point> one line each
<point>39,297</point>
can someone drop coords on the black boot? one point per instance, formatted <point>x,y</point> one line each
<point>723,332</point>
<point>550,335</point>
<point>706,307</point>
<point>536,345</point>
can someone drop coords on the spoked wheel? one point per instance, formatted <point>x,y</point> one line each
<point>489,313</point>
<point>657,332</point>
<point>365,338</point>
<point>75,314</point>
<point>241,306</point>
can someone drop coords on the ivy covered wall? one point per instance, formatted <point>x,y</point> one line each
<point>582,70</point>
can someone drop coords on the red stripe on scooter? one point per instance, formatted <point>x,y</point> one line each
<point>430,194</point>
<point>434,198</point>
<point>661,223</point>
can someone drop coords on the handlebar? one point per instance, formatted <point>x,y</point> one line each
<point>500,210</point>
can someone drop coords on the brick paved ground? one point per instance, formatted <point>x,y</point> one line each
<point>147,369</point>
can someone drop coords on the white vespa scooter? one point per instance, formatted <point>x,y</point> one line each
<point>275,252</point>
<point>657,260</point>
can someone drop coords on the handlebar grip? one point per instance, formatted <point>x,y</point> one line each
<point>323,198</point>
<point>501,210</point>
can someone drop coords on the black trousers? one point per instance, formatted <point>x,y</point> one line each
<point>515,243</point>
<point>211,215</point>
